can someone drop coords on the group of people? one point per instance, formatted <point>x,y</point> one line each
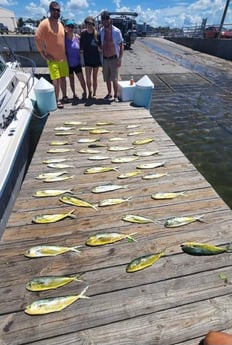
<point>67,52</point>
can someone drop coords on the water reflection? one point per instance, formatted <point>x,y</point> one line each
<point>201,127</point>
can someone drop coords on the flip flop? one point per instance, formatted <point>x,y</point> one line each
<point>60,105</point>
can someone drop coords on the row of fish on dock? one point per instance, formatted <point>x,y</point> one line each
<point>48,305</point>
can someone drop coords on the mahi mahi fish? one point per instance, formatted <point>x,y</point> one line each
<point>44,283</point>
<point>50,175</point>
<point>49,250</point>
<point>107,188</point>
<point>52,218</point>
<point>113,201</point>
<point>150,165</point>
<point>95,170</point>
<point>194,248</point>
<point>51,192</point>
<point>52,304</point>
<point>60,150</point>
<point>137,219</point>
<point>108,238</point>
<point>143,141</point>
<point>73,200</point>
<point>179,221</point>
<point>159,196</point>
<point>143,262</point>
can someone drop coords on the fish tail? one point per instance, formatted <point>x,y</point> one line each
<point>130,238</point>
<point>200,218</point>
<point>82,294</point>
<point>117,169</point>
<point>70,214</point>
<point>77,276</point>
<point>95,207</point>
<point>70,191</point>
<point>229,248</point>
<point>75,249</point>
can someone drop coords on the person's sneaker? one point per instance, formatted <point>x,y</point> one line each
<point>116,99</point>
<point>109,97</point>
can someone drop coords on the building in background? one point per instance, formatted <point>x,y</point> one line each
<point>7,17</point>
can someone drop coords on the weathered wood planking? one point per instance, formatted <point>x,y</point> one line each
<point>176,301</point>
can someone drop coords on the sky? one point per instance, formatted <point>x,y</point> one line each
<point>171,13</point>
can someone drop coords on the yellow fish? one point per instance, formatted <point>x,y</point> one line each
<point>44,283</point>
<point>99,131</point>
<point>129,174</point>
<point>115,201</point>
<point>95,170</point>
<point>73,200</point>
<point>137,219</point>
<point>60,150</point>
<point>98,157</point>
<point>51,175</point>
<point>143,262</point>
<point>63,128</point>
<point>119,148</point>
<point>143,141</point>
<point>153,176</point>
<point>55,160</point>
<point>194,248</point>
<point>146,153</point>
<point>50,192</point>
<point>58,179</point>
<point>52,218</point>
<point>47,250</point>
<point>91,151</point>
<point>104,123</point>
<point>64,133</point>
<point>59,143</point>
<point>87,140</point>
<point>159,196</point>
<point>53,304</point>
<point>107,238</point>
<point>74,123</point>
<point>124,159</point>
<point>150,165</point>
<point>107,188</point>
<point>59,166</point>
<point>180,221</point>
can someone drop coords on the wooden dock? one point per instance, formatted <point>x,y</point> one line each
<point>175,301</point>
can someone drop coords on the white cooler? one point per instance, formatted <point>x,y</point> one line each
<point>125,90</point>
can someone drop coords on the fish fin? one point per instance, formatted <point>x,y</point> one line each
<point>95,207</point>
<point>82,294</point>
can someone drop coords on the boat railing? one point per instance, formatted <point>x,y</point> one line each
<point>26,78</point>
<point>17,64</point>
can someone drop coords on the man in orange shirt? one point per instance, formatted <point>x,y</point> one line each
<point>50,42</point>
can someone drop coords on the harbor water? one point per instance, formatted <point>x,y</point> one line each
<point>198,118</point>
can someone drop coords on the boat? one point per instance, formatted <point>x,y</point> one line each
<point>17,105</point>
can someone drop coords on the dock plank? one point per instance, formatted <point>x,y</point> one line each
<point>176,301</point>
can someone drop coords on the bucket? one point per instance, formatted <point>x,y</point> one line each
<point>143,92</point>
<point>45,96</point>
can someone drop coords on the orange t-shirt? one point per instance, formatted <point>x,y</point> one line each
<point>50,37</point>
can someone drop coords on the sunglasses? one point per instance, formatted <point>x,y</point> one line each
<point>90,23</point>
<point>55,9</point>
<point>105,18</point>
<point>70,26</point>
